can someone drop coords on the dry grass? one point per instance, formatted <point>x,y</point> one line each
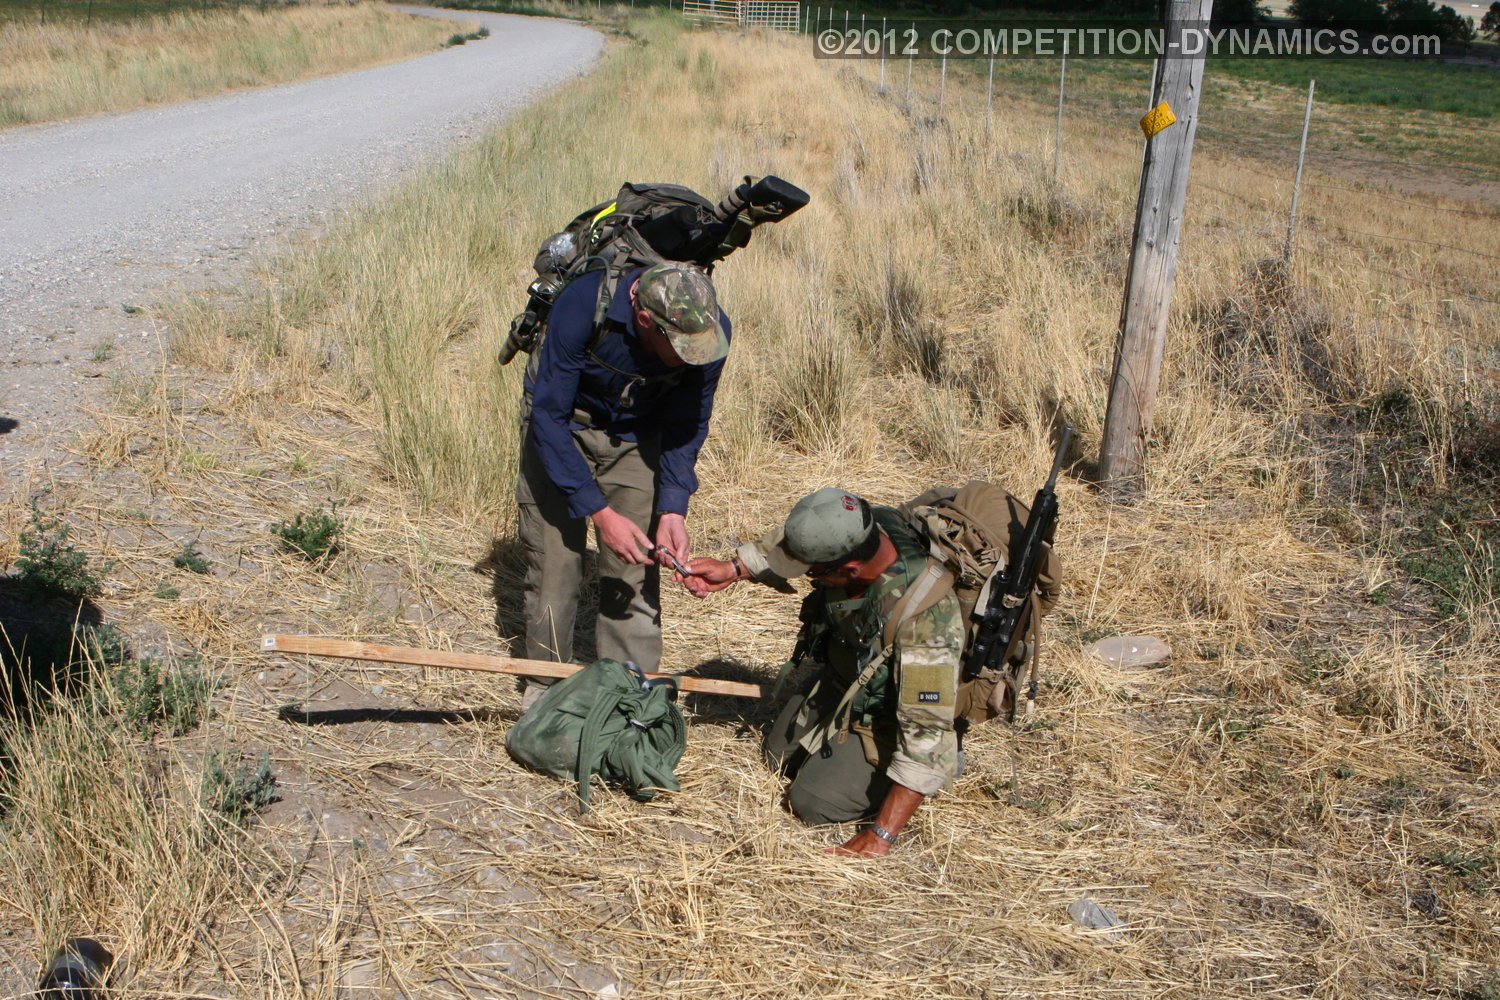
<point>1299,804</point>
<point>60,69</point>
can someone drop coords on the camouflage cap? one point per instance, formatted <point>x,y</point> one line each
<point>682,301</point>
<point>828,526</point>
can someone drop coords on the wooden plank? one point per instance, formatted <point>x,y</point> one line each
<point>349,649</point>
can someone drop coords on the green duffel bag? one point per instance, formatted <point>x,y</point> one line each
<point>608,720</point>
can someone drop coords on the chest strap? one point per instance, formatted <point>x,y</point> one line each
<point>931,585</point>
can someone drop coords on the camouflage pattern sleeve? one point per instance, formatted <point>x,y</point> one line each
<point>929,658</point>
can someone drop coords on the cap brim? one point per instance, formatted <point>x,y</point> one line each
<point>783,564</point>
<point>701,348</point>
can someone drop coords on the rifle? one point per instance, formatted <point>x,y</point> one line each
<point>1010,591</point>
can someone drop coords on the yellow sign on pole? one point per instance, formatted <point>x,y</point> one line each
<point>1157,119</point>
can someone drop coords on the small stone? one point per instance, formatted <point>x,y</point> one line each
<point>378,689</point>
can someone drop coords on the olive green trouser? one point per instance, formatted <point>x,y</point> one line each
<point>834,785</point>
<point>553,543</point>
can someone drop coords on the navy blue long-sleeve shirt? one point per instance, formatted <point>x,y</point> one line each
<point>623,389</point>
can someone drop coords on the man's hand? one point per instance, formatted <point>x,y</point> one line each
<point>862,843</point>
<point>671,535</point>
<point>900,802</point>
<point>709,575</point>
<point>620,535</point>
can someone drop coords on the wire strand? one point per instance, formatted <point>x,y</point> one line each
<point>1409,239</point>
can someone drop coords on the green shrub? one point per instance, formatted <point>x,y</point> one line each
<point>103,646</point>
<point>191,559</point>
<point>312,536</point>
<point>236,793</point>
<point>171,696</point>
<point>49,564</point>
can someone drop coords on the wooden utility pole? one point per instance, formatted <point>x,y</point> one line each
<point>1169,127</point>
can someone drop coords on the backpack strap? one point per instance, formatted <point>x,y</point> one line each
<point>614,268</point>
<point>1034,636</point>
<point>932,584</point>
<point>589,750</point>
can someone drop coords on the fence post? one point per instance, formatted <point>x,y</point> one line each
<point>943,86</point>
<point>1062,83</point>
<point>1291,220</point>
<point>1153,257</point>
<point>989,107</point>
<point>882,55</point>
<point>911,56</point>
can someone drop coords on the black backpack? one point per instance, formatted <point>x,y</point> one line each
<point>645,224</point>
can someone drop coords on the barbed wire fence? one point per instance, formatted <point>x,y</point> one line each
<point>1459,302</point>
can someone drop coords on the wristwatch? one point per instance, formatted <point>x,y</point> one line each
<point>883,833</point>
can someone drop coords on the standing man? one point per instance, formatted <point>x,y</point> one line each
<point>612,420</point>
<point>876,733</point>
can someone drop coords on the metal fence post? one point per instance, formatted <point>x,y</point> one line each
<point>911,56</point>
<point>943,86</point>
<point>1062,83</point>
<point>1291,221</point>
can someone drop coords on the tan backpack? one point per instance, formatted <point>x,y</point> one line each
<point>970,532</point>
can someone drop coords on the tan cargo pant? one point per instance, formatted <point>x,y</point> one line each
<point>553,543</point>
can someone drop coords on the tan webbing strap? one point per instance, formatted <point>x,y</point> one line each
<point>1034,627</point>
<point>924,592</point>
<point>812,741</point>
<point>931,585</point>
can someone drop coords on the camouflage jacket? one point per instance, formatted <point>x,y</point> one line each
<point>904,713</point>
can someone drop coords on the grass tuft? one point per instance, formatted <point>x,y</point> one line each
<point>191,559</point>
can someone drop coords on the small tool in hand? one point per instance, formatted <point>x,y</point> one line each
<point>671,559</point>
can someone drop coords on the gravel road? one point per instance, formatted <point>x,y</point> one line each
<point>117,210</point>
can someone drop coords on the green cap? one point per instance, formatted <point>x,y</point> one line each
<point>682,301</point>
<point>828,526</point>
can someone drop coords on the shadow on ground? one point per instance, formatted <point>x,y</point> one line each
<point>347,716</point>
<point>37,642</point>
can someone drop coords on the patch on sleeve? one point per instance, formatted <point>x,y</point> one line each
<point>928,685</point>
